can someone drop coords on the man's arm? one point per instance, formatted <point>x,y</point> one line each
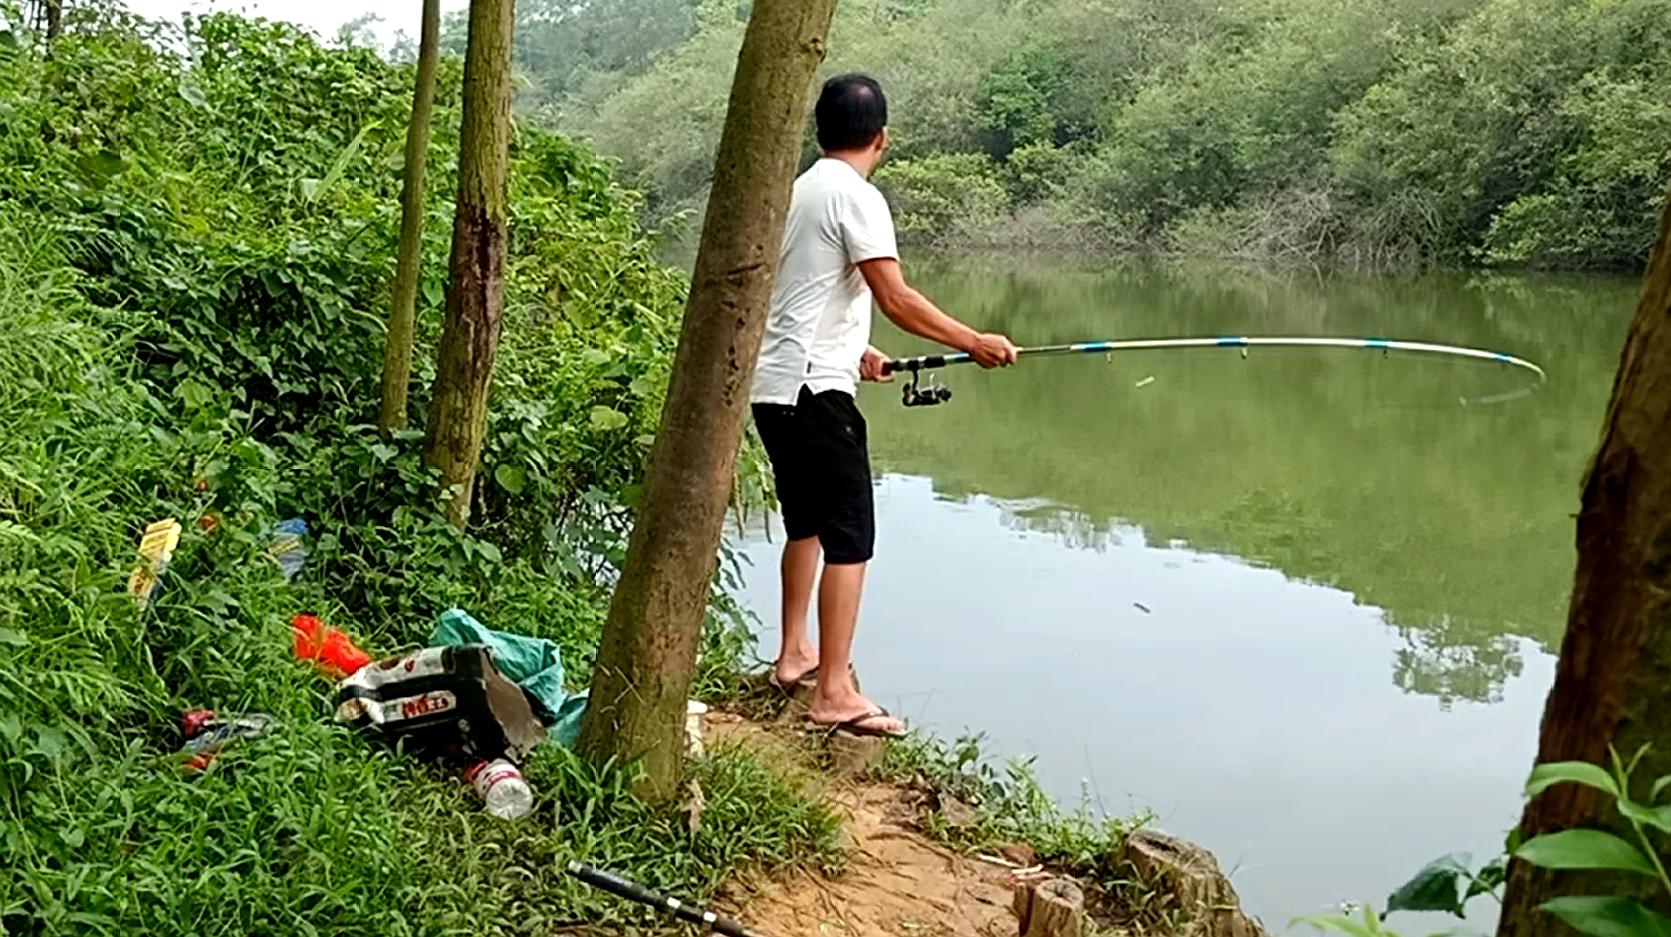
<point>913,312</point>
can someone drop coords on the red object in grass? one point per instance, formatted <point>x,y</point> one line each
<point>194,721</point>
<point>328,647</point>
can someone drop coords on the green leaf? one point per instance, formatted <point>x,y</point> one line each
<point>512,478</point>
<point>1489,878</point>
<point>1608,917</point>
<point>194,394</point>
<point>13,638</point>
<point>1570,772</point>
<point>193,94</point>
<point>1584,849</point>
<point>340,166</point>
<point>104,164</point>
<point>1660,786</point>
<point>605,419</point>
<point>50,742</point>
<point>1657,817</point>
<point>383,452</point>
<point>489,551</point>
<point>1437,887</point>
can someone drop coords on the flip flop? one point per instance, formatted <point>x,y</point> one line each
<point>789,687</point>
<point>858,725</point>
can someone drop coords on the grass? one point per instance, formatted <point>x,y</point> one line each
<point>310,830</point>
<point>1010,807</point>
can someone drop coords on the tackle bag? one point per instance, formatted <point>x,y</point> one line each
<point>449,703</point>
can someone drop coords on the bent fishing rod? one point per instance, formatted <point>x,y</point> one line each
<point>934,394</point>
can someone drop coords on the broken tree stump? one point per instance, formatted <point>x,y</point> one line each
<point>851,754</point>
<point>1049,907</point>
<point>798,701</point>
<point>1189,877</point>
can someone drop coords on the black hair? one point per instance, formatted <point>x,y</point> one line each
<point>851,113</point>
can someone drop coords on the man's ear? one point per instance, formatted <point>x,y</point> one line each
<point>882,142</point>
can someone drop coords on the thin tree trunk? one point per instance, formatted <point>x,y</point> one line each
<point>644,667</point>
<point>397,353</point>
<point>54,12</point>
<point>1613,681</point>
<point>475,301</point>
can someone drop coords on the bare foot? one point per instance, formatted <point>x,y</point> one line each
<point>855,712</point>
<point>796,665</point>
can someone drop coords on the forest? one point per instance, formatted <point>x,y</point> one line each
<point>1392,133</point>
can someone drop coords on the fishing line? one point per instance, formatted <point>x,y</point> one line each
<point>934,394</point>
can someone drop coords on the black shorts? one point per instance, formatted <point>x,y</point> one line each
<point>821,460</point>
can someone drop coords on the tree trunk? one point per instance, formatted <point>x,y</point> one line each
<point>1613,681</point>
<point>650,641</point>
<point>1052,907</point>
<point>397,353</point>
<point>53,11</point>
<point>476,297</point>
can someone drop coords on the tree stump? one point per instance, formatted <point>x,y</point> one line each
<point>852,755</point>
<point>799,701</point>
<point>1051,907</point>
<point>1189,877</point>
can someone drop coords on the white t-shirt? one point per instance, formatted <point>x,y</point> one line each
<point>819,323</point>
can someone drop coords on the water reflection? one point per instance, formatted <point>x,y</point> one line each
<point>1334,467</point>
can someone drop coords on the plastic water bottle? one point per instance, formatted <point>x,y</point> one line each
<point>501,787</point>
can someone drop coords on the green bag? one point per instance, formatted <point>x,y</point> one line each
<point>533,663</point>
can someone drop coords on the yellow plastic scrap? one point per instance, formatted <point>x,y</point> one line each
<point>156,548</point>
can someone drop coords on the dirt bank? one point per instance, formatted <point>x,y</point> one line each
<point>900,882</point>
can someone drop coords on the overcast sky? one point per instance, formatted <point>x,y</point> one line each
<point>323,16</point>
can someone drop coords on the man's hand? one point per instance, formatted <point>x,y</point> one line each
<point>872,366</point>
<point>911,311</point>
<point>992,350</point>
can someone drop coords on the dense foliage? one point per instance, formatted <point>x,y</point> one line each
<point>196,233</point>
<point>1459,131</point>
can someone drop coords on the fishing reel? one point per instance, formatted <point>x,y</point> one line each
<point>930,396</point>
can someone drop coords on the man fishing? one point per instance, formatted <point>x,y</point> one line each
<point>838,251</point>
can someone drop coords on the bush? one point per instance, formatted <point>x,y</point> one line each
<point>941,199</point>
<point>191,299</point>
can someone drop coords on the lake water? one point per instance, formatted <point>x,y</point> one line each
<point>1301,606</point>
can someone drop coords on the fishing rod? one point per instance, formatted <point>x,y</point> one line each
<point>935,394</point>
<point>632,891</point>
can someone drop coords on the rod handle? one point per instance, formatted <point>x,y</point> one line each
<point>632,891</point>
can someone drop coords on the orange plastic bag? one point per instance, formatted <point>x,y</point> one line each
<point>332,650</point>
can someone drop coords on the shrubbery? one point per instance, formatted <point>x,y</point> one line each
<point>196,236</point>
